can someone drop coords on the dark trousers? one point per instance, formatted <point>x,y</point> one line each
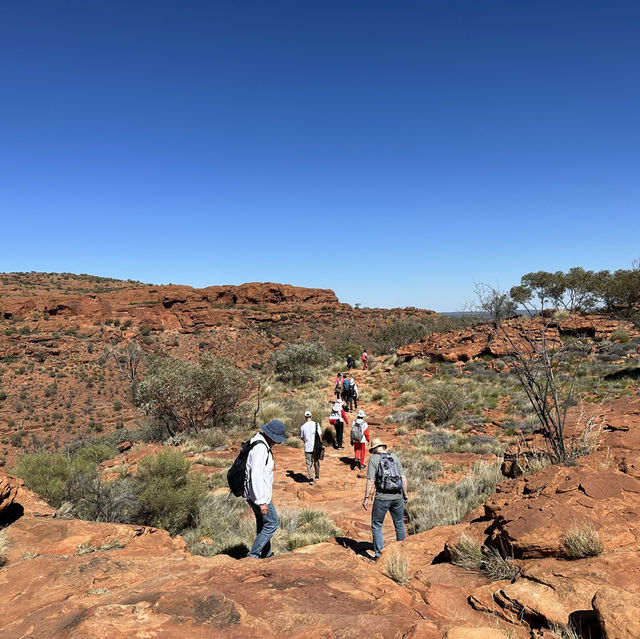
<point>339,432</point>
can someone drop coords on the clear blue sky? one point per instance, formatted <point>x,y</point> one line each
<point>396,152</point>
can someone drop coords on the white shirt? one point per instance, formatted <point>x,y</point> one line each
<point>364,426</point>
<point>308,433</point>
<point>258,479</point>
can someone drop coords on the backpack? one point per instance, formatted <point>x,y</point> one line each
<point>236,474</point>
<point>356,430</point>
<point>318,448</point>
<point>336,416</point>
<point>346,385</point>
<point>388,478</point>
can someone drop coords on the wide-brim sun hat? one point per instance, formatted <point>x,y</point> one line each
<point>361,413</point>
<point>275,430</point>
<point>376,443</point>
<point>307,413</point>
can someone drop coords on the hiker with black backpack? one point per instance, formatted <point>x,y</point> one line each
<point>359,439</point>
<point>350,362</point>
<point>384,472</point>
<point>311,435</point>
<point>253,469</point>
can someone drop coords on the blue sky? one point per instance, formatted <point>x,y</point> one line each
<point>394,152</point>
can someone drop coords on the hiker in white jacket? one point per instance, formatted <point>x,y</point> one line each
<point>258,486</point>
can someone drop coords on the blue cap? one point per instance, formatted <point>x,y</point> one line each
<point>275,430</point>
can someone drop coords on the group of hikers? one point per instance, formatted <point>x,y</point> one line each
<point>251,476</point>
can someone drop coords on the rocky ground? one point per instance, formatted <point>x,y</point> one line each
<point>73,578</point>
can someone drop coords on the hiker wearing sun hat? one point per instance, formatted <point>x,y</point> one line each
<point>384,471</point>
<point>359,437</point>
<point>258,487</point>
<point>308,432</point>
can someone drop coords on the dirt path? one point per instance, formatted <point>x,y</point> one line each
<point>340,490</point>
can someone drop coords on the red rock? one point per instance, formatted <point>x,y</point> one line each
<point>618,612</point>
<point>8,490</point>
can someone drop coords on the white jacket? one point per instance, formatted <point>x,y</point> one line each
<point>258,479</point>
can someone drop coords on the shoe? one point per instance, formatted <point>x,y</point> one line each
<point>311,482</point>
<point>317,478</point>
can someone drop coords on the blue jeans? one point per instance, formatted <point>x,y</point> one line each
<point>266,525</point>
<point>378,512</point>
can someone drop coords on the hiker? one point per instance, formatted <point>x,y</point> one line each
<point>347,400</point>
<point>354,393</point>
<point>384,471</point>
<point>350,362</point>
<point>364,357</point>
<point>258,486</point>
<point>359,437</point>
<point>338,386</point>
<point>338,418</point>
<point>308,432</point>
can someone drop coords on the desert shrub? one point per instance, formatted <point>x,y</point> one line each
<point>294,363</point>
<point>380,396</point>
<point>305,527</point>
<point>442,401</point>
<point>467,553</point>
<point>5,543</point>
<point>188,397</point>
<point>402,416</point>
<point>92,455</point>
<point>620,335</point>
<point>396,566</point>
<point>208,439</point>
<point>582,541</point>
<point>405,398</point>
<point>45,474</point>
<point>114,501</point>
<point>343,349</point>
<point>400,333</point>
<point>498,567</point>
<point>169,497</point>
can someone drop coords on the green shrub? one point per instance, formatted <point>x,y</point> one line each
<point>442,401</point>
<point>188,397</point>
<point>5,543</point>
<point>169,496</point>
<point>294,363</point>
<point>45,474</point>
<point>620,335</point>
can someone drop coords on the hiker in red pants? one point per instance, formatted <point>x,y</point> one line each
<point>359,439</point>
<point>364,357</point>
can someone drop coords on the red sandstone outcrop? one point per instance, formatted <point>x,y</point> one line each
<point>8,490</point>
<point>481,339</point>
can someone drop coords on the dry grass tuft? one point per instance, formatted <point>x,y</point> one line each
<point>467,553</point>
<point>582,541</point>
<point>396,566</point>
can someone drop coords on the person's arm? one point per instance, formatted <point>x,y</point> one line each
<point>405,492</point>
<point>366,433</point>
<point>344,417</point>
<point>367,493</point>
<point>259,455</point>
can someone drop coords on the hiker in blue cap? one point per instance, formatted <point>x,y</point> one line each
<point>258,486</point>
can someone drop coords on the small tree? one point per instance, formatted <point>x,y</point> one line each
<point>531,356</point>
<point>127,359</point>
<point>294,363</point>
<point>187,396</point>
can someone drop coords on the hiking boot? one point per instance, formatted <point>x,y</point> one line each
<point>317,478</point>
<point>311,482</point>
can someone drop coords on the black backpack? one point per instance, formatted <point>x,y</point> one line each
<point>318,448</point>
<point>236,474</point>
<point>388,479</point>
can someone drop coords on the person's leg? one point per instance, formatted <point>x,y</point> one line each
<point>339,429</point>
<point>358,448</point>
<point>397,514</point>
<point>316,463</point>
<point>378,511</point>
<point>267,526</point>
<point>308,458</point>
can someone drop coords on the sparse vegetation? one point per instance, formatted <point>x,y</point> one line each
<point>294,363</point>
<point>582,541</point>
<point>470,555</point>
<point>5,544</point>
<point>443,401</point>
<point>396,566</point>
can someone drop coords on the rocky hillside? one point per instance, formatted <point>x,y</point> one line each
<point>72,578</point>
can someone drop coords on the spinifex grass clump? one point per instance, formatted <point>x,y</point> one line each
<point>582,541</point>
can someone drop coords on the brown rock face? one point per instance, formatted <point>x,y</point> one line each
<point>475,341</point>
<point>618,612</point>
<point>8,490</point>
